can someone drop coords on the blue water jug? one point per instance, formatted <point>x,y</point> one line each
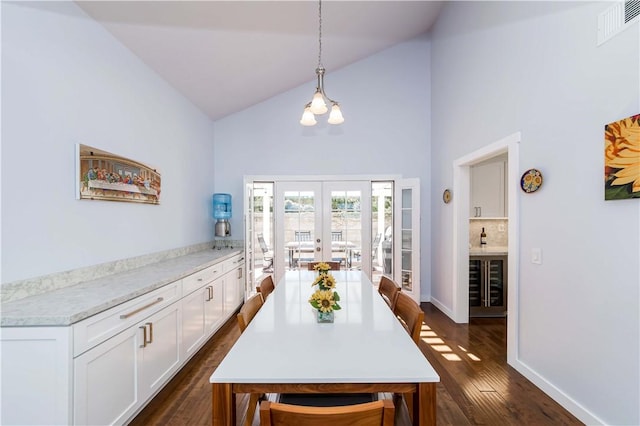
<point>222,206</point>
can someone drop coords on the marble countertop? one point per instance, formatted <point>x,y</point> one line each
<point>66,306</point>
<point>488,251</point>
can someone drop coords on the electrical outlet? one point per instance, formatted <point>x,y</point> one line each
<point>501,227</point>
<point>536,256</point>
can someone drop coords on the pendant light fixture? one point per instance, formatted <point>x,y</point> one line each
<point>318,104</point>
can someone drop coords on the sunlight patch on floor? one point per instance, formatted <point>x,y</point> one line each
<point>469,354</point>
<point>432,339</point>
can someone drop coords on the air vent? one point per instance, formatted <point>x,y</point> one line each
<point>631,10</point>
<point>617,18</point>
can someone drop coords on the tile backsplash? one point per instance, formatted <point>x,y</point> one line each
<point>496,230</point>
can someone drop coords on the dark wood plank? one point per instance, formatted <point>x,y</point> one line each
<point>477,385</point>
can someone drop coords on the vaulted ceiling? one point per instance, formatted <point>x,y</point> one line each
<point>225,56</point>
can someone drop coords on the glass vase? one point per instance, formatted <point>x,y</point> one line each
<point>324,317</point>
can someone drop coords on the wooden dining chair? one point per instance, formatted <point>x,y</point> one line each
<point>411,317</point>
<point>389,290</point>
<point>333,266</point>
<point>266,287</point>
<point>246,314</point>
<point>249,310</point>
<point>377,413</point>
<point>410,314</point>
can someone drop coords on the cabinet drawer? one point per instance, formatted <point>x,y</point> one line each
<point>100,327</point>
<point>233,263</point>
<point>200,278</point>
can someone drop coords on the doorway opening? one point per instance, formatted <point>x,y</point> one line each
<point>508,146</point>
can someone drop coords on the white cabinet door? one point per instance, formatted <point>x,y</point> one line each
<point>160,356</point>
<point>488,190</point>
<point>214,306</point>
<point>232,290</point>
<point>113,379</point>
<point>193,322</point>
<point>106,380</point>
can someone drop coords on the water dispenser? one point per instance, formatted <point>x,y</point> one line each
<point>222,214</point>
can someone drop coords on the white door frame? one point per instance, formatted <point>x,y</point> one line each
<point>460,273</point>
<point>412,184</point>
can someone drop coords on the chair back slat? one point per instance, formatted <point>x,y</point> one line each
<point>411,315</point>
<point>389,290</point>
<point>249,310</point>
<point>266,286</point>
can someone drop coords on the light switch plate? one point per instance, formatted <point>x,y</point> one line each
<point>536,256</point>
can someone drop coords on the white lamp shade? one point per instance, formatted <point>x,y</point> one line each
<point>318,106</point>
<point>308,119</point>
<point>336,115</point>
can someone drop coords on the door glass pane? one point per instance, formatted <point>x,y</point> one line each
<point>406,198</point>
<point>407,240</point>
<point>263,227</point>
<point>406,219</point>
<point>346,228</point>
<point>299,228</point>
<point>381,230</point>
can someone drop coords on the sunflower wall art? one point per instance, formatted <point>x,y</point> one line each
<point>622,159</point>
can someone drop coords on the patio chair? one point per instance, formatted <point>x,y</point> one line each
<point>267,255</point>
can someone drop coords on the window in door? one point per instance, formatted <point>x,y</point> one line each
<point>259,232</point>
<point>381,230</point>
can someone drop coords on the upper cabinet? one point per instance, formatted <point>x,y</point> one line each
<point>488,188</point>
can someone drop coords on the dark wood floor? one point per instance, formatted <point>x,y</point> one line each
<point>477,386</point>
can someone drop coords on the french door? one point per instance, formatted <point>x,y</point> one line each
<point>368,225</point>
<point>322,221</point>
<point>407,222</point>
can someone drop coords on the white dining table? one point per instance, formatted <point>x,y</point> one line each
<point>285,350</point>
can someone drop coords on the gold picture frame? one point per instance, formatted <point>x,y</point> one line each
<point>102,175</point>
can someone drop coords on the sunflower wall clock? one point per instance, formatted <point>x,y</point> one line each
<point>446,196</point>
<point>531,180</point>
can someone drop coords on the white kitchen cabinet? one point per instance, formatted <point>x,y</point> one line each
<point>106,367</point>
<point>36,381</point>
<point>488,190</point>
<point>160,352</point>
<point>106,380</point>
<point>214,299</point>
<point>202,313</point>
<point>214,314</point>
<point>114,377</point>
<point>233,289</point>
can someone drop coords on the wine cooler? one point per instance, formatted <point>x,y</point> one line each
<point>487,286</point>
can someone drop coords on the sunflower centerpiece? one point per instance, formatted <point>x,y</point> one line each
<point>325,299</point>
<point>322,268</point>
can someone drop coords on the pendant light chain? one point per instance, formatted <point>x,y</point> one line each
<point>320,34</point>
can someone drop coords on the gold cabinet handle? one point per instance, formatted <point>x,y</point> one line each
<point>144,336</point>
<point>150,324</point>
<point>142,308</point>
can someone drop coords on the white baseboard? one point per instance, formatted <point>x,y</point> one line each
<point>547,387</point>
<point>557,395</point>
<point>448,312</point>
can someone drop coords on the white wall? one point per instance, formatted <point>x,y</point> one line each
<point>65,80</point>
<point>385,100</point>
<point>534,67</point>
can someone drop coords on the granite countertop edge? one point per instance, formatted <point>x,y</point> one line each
<point>69,305</point>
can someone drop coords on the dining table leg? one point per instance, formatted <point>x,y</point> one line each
<point>223,407</point>
<point>424,405</point>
